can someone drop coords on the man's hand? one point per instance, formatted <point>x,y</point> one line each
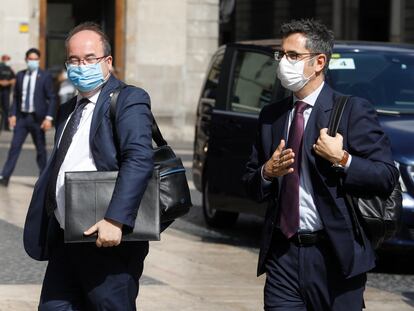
<point>46,125</point>
<point>109,233</point>
<point>12,121</point>
<point>278,164</point>
<point>328,147</point>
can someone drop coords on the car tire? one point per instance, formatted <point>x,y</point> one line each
<point>215,218</point>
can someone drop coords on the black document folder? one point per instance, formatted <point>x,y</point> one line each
<point>87,197</point>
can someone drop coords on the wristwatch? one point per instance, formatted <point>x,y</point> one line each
<point>340,166</point>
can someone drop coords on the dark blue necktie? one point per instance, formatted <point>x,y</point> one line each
<point>289,192</point>
<point>27,99</point>
<point>65,141</point>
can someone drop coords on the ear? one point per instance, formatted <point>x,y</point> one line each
<point>320,62</point>
<point>109,62</point>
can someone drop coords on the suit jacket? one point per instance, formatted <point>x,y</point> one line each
<point>130,153</point>
<point>371,170</point>
<point>44,98</point>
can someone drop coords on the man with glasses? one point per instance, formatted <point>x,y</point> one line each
<point>32,111</point>
<point>312,258</point>
<point>102,275</point>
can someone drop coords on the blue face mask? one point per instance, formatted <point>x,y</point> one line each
<point>86,78</point>
<point>33,65</point>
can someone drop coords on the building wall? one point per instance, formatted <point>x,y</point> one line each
<point>168,47</point>
<point>12,41</point>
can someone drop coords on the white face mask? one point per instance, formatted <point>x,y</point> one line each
<point>291,74</point>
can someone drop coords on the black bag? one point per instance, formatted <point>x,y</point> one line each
<point>175,199</point>
<point>380,217</point>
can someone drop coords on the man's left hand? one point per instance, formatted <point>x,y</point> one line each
<point>46,125</point>
<point>109,233</point>
<point>328,147</point>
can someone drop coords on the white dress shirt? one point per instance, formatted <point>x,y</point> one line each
<point>309,218</point>
<point>32,75</point>
<point>78,158</point>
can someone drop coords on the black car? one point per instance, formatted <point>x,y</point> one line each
<point>241,79</point>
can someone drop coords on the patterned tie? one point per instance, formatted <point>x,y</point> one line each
<point>65,141</point>
<point>289,192</point>
<point>27,99</point>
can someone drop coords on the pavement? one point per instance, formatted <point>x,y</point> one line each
<point>184,271</point>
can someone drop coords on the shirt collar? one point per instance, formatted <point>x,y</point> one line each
<point>30,73</point>
<point>93,99</point>
<point>312,97</point>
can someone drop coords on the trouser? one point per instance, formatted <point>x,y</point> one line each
<point>82,276</point>
<point>308,278</point>
<point>26,124</point>
<point>5,105</point>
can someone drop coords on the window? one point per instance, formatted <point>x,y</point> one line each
<point>386,79</point>
<point>210,88</point>
<point>254,78</point>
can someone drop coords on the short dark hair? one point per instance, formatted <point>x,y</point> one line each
<point>319,39</point>
<point>32,50</point>
<point>92,27</point>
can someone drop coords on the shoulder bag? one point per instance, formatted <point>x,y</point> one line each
<point>379,217</point>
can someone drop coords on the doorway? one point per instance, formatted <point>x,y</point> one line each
<point>374,20</point>
<point>60,16</point>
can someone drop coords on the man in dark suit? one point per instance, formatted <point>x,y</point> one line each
<point>7,80</point>
<point>32,111</point>
<point>102,275</point>
<point>309,252</point>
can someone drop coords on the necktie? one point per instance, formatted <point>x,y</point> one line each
<point>27,99</point>
<point>289,192</point>
<point>65,141</point>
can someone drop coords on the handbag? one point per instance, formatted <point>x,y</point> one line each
<point>379,216</point>
<point>174,193</point>
<point>87,197</point>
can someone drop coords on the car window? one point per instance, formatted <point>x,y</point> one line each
<point>210,88</point>
<point>253,80</point>
<point>385,79</point>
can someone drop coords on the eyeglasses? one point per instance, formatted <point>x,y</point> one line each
<point>291,56</point>
<point>90,60</point>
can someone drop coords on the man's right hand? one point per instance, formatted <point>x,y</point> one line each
<point>278,164</point>
<point>12,121</point>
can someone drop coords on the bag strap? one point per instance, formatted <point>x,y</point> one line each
<point>334,119</point>
<point>336,114</point>
<point>156,133</point>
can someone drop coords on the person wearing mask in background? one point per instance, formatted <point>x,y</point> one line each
<point>311,255</point>
<point>102,275</point>
<point>66,88</point>
<point>7,80</point>
<point>32,111</point>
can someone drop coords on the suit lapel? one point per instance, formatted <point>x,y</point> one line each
<point>102,105</point>
<point>69,107</point>
<point>318,119</point>
<point>38,77</point>
<point>279,127</point>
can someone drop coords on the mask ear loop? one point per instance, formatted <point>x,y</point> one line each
<point>314,73</point>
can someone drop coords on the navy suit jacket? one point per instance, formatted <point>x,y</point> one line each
<point>44,97</point>
<point>371,170</point>
<point>130,153</point>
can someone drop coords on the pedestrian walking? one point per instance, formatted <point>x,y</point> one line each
<point>102,275</point>
<point>309,252</point>
<point>7,80</point>
<point>32,111</point>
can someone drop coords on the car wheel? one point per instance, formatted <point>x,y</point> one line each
<point>213,217</point>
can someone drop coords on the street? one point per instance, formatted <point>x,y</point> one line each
<point>192,268</point>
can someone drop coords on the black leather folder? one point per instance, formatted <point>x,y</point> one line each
<point>87,197</point>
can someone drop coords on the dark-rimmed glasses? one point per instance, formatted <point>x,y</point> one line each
<point>291,56</point>
<point>89,60</point>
